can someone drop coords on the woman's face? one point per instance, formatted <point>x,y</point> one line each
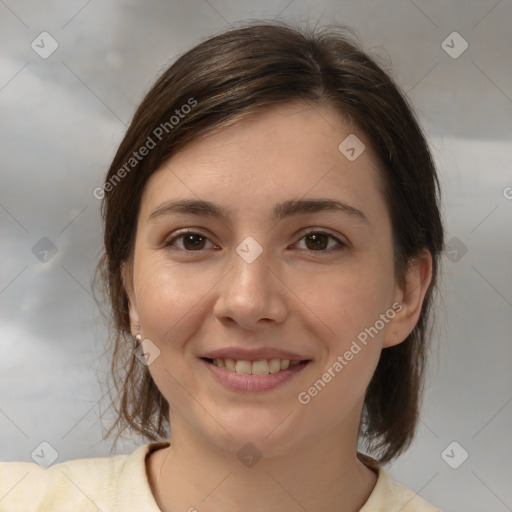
<point>279,278</point>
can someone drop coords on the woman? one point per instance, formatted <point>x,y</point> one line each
<point>272,243</point>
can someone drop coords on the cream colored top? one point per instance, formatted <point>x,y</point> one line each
<point>120,484</point>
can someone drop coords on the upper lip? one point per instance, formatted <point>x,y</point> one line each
<point>256,354</point>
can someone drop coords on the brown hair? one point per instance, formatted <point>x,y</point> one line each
<point>230,76</point>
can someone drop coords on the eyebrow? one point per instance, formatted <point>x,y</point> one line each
<point>279,212</point>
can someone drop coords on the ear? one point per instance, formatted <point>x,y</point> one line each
<point>410,296</point>
<point>127,277</point>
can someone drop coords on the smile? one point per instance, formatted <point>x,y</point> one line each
<point>260,375</point>
<point>261,367</point>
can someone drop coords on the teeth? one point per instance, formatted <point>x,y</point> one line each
<point>261,367</point>
<point>274,365</point>
<point>243,367</point>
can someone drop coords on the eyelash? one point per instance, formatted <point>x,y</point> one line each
<point>341,245</point>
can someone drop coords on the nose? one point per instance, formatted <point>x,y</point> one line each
<point>251,295</point>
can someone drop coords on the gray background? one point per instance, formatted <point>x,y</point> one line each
<point>62,119</point>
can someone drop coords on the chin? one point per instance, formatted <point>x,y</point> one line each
<point>271,434</point>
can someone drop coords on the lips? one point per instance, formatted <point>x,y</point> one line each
<point>252,382</point>
<point>254,369</point>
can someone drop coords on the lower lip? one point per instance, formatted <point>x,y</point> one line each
<point>240,382</point>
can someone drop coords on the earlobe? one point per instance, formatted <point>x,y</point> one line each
<point>411,297</point>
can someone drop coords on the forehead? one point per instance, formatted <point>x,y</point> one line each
<point>287,151</point>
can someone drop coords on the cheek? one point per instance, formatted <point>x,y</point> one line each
<point>171,298</point>
<point>349,305</point>
<point>347,300</point>
<point>353,306</point>
<point>172,302</point>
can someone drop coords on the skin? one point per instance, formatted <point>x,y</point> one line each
<point>291,297</point>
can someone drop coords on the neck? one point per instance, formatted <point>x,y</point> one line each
<point>325,474</point>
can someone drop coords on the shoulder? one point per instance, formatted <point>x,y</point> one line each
<point>390,496</point>
<point>82,484</point>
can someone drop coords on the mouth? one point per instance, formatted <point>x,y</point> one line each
<point>255,376</point>
<point>259,367</point>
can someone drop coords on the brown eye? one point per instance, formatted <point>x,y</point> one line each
<point>190,241</point>
<point>319,242</point>
<point>193,242</point>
